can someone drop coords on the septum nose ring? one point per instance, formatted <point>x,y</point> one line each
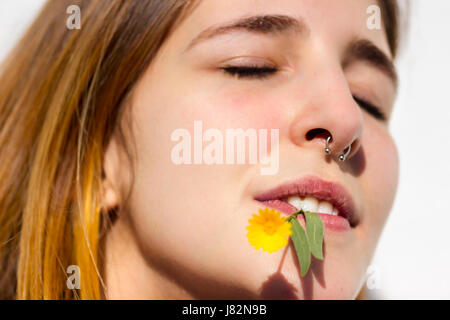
<point>342,157</point>
<point>327,149</point>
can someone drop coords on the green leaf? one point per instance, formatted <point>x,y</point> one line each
<point>301,246</point>
<point>314,233</point>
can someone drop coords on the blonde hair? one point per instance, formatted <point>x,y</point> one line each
<point>59,105</point>
<point>61,99</point>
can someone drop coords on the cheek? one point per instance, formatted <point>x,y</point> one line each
<point>381,176</point>
<point>244,110</point>
<point>230,110</point>
<point>192,189</point>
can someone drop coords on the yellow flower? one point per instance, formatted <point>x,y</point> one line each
<point>268,230</point>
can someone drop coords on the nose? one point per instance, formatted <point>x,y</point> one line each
<point>328,113</point>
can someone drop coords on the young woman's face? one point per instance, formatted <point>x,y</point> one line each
<point>183,231</point>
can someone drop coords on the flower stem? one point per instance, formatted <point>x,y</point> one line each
<point>294,215</point>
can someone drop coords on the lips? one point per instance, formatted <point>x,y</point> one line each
<point>316,195</point>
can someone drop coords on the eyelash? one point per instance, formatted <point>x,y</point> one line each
<point>370,108</point>
<point>250,72</point>
<point>257,72</point>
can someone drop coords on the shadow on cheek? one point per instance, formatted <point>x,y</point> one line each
<point>277,287</point>
<point>357,163</point>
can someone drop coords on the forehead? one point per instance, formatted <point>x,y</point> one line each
<point>336,22</point>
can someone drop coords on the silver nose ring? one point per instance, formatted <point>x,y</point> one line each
<point>327,149</point>
<point>342,157</point>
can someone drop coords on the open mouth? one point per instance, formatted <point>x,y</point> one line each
<point>330,200</point>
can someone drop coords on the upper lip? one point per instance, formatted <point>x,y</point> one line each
<point>320,189</point>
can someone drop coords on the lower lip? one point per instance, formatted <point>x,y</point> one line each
<point>336,223</point>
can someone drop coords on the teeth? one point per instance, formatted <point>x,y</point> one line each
<point>312,204</point>
<point>294,201</point>
<point>325,207</point>
<point>335,212</point>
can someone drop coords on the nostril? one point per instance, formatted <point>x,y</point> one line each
<point>318,133</point>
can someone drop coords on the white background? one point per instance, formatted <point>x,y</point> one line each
<point>412,260</point>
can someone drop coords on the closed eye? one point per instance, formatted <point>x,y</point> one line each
<point>373,110</point>
<point>249,72</point>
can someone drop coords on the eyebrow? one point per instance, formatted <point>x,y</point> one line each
<point>365,50</point>
<point>263,24</point>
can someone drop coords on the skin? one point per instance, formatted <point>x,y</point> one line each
<point>181,233</point>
